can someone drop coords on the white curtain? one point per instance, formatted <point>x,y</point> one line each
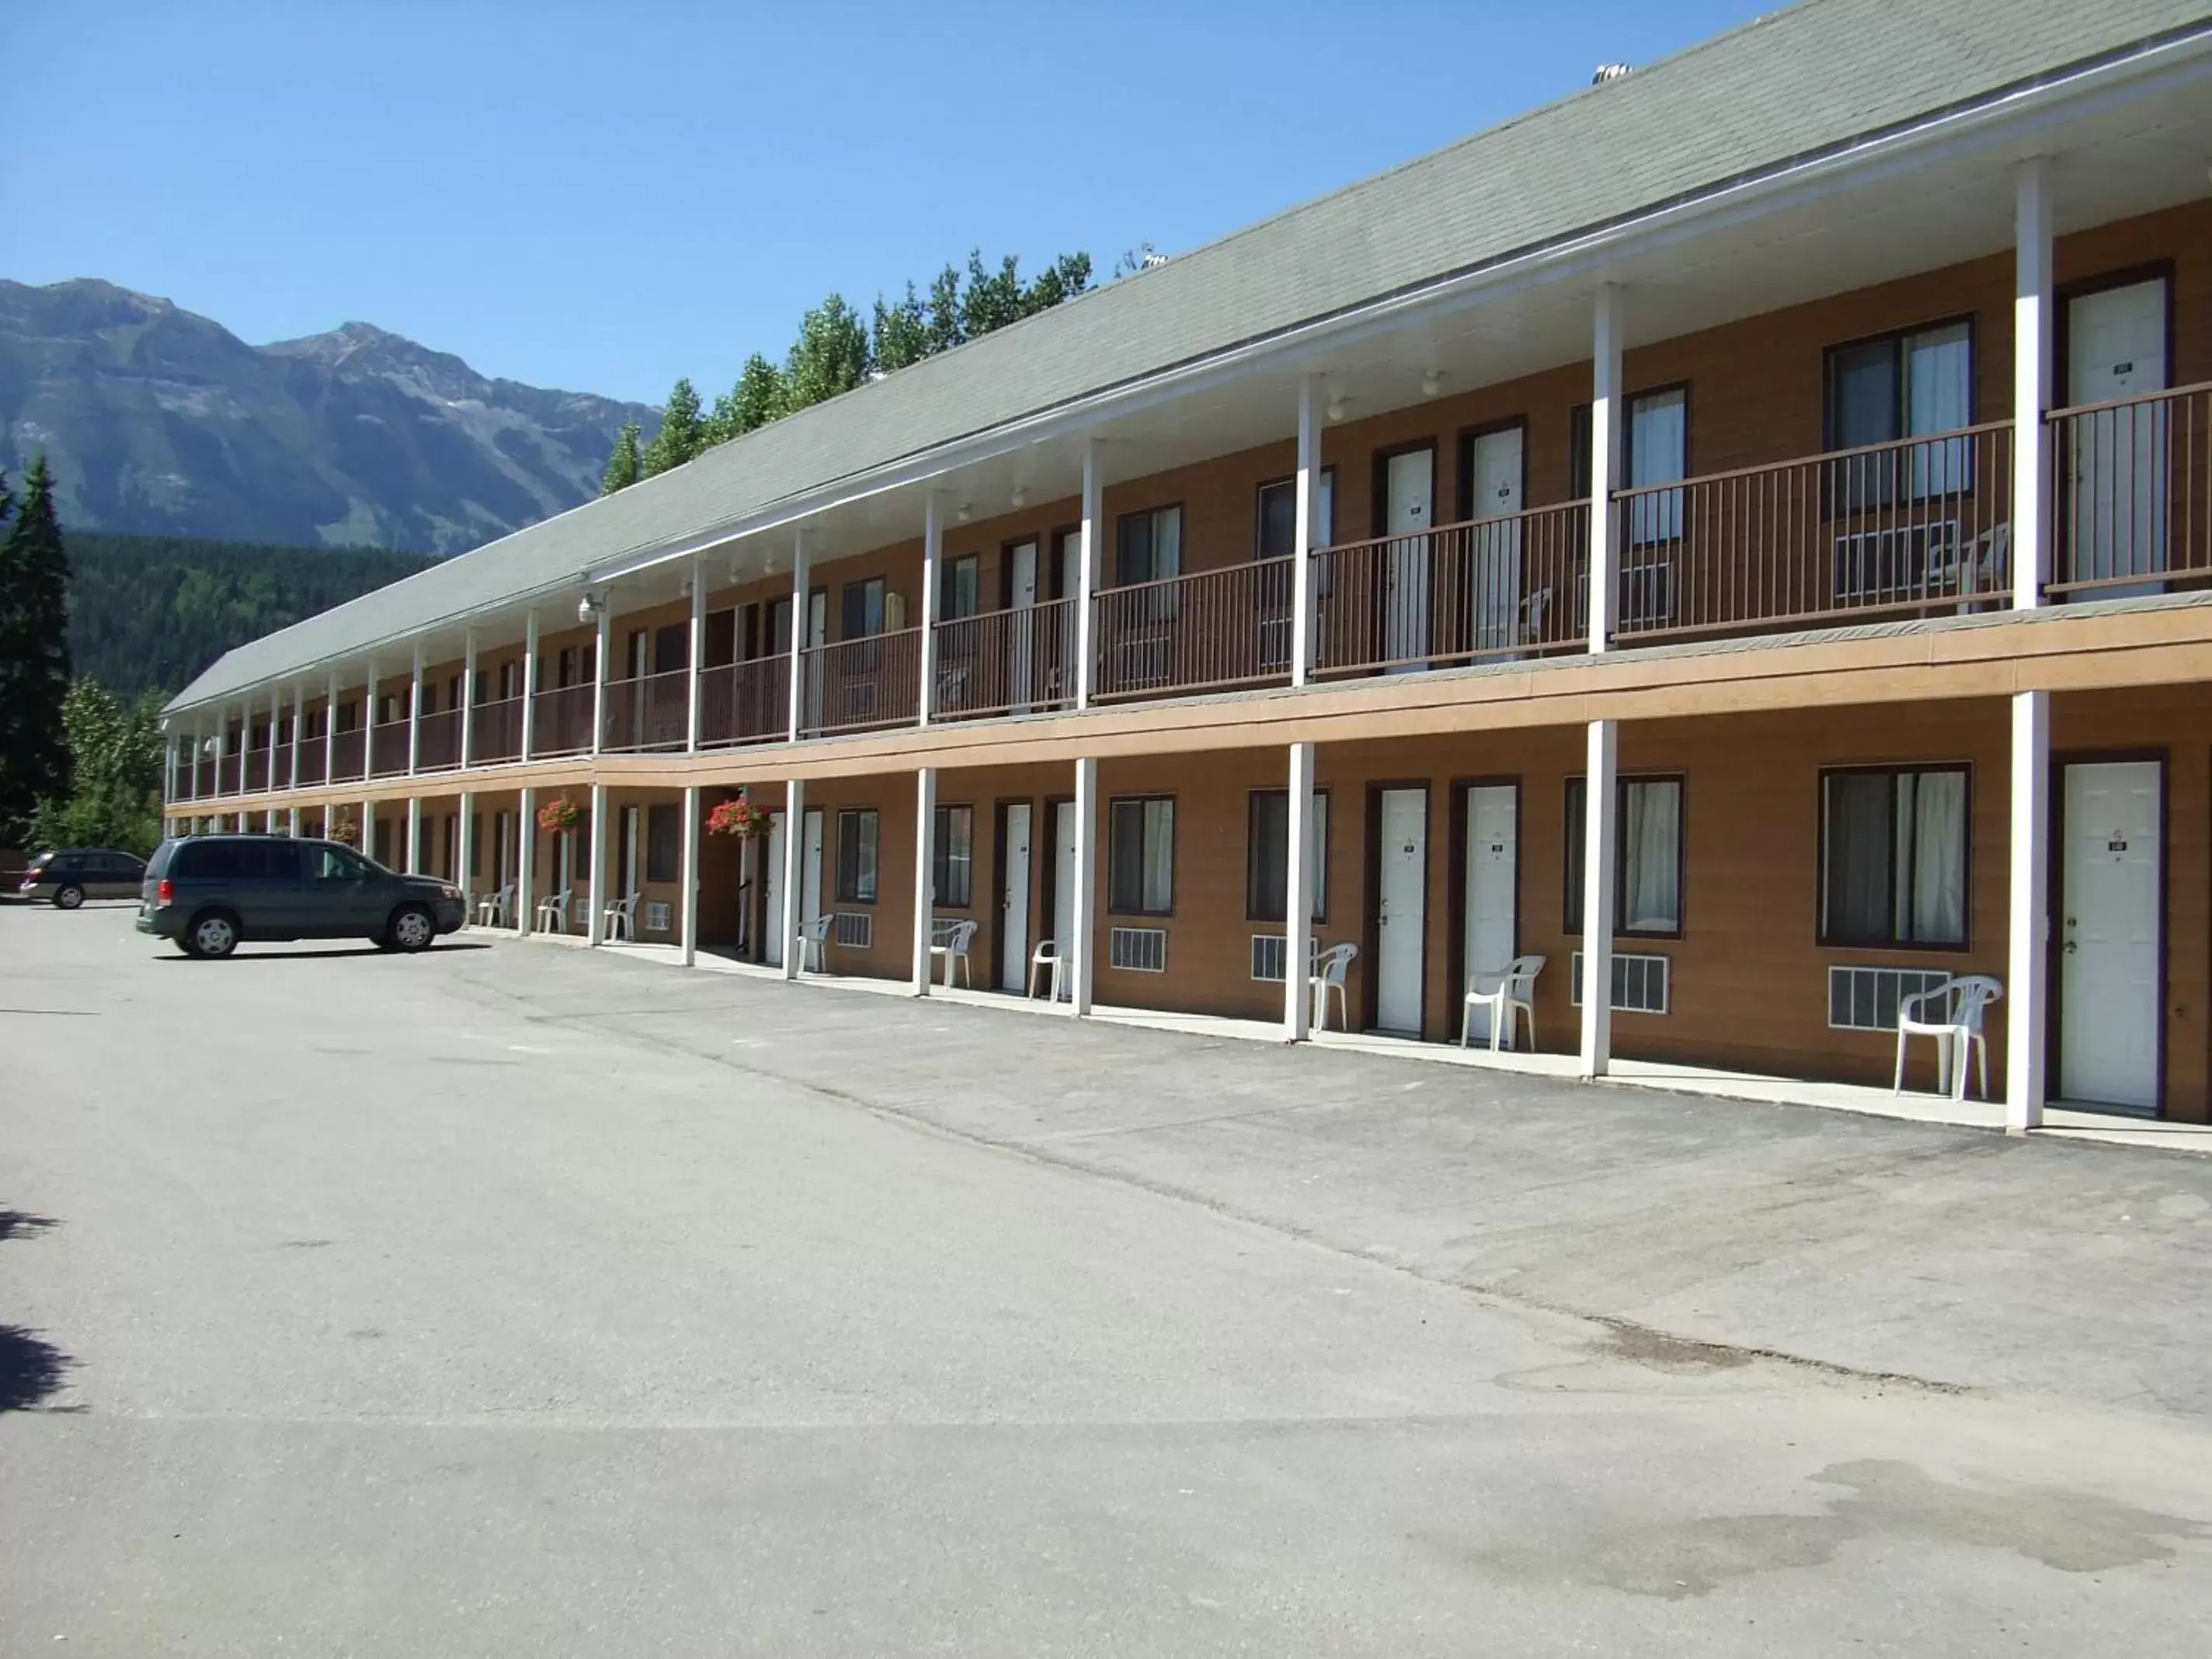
<point>1651,844</point>
<point>1658,437</point>
<point>1932,810</point>
<point>1159,854</point>
<point>1939,397</point>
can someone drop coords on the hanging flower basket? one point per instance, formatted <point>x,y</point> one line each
<point>738,817</point>
<point>560,815</point>
<point>344,827</point>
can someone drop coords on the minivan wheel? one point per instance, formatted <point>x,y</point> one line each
<point>69,898</point>
<point>213,934</point>
<point>411,929</point>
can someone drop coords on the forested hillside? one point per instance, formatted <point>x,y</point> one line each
<point>148,612</point>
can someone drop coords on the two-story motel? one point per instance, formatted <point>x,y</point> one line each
<point>1739,532</point>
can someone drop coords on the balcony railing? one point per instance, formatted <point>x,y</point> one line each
<point>438,741</point>
<point>1006,662</point>
<point>227,774</point>
<point>200,777</point>
<point>388,749</point>
<point>256,769</point>
<point>1207,631</point>
<point>2132,482</point>
<point>1487,589</point>
<point>1904,529</point>
<point>745,702</point>
<point>345,755</point>
<point>651,711</point>
<point>561,723</point>
<point>311,760</point>
<point>855,685</point>
<point>496,732</point>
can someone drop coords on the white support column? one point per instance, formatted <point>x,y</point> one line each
<point>1298,898</point>
<point>595,884</point>
<point>1605,469</point>
<point>275,779</point>
<point>411,861</point>
<point>465,852</point>
<point>2031,383</point>
<point>368,846</point>
<point>526,856</point>
<point>1085,910</point>
<point>292,824</point>
<point>599,652</point>
<point>1302,544</point>
<point>2027,921</point>
<point>529,684</point>
<point>798,663</point>
<point>1089,551</point>
<point>695,657</point>
<point>688,913</point>
<point>794,839</point>
<point>330,731</point>
<point>168,770</point>
<point>221,744</point>
<point>925,867</point>
<point>1600,805</point>
<point>468,706</point>
<point>299,726</point>
<point>369,727</point>
<point>415,717</point>
<point>933,553</point>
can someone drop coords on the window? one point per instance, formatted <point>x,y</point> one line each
<point>864,608</point>
<point>510,680</point>
<point>663,827</point>
<point>720,645</point>
<point>779,628</point>
<point>1267,851</point>
<point>856,856</point>
<point>671,649</point>
<point>1276,536</point>
<point>637,653</point>
<point>952,868</point>
<point>328,863</point>
<point>1149,545</point>
<point>959,585</point>
<point>1647,883</point>
<point>1656,436</point>
<point>1141,856</point>
<point>1894,857</point>
<point>1900,387</point>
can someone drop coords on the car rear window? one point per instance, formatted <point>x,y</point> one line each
<point>39,861</point>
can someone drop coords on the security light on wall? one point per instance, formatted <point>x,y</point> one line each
<point>1019,498</point>
<point>1432,384</point>
<point>1335,410</point>
<point>589,608</point>
<point>962,513</point>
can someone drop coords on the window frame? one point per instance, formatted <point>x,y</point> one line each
<point>1570,910</point>
<point>1152,514</point>
<point>658,840</point>
<point>1824,936</point>
<point>1113,808</point>
<point>940,859</point>
<point>1290,481</point>
<point>860,588</point>
<point>849,892</point>
<point>1254,914</point>
<point>1845,503</point>
<point>969,565</point>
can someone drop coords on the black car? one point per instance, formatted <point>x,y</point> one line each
<point>68,877</point>
<point>207,893</point>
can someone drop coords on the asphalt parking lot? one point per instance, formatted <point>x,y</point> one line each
<point>516,1299</point>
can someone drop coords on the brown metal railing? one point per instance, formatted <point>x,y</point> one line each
<point>227,774</point>
<point>650,711</point>
<point>496,732</point>
<point>2131,508</point>
<point>438,741</point>
<point>388,749</point>
<point>1493,588</point>
<point>855,685</point>
<point>745,702</point>
<point>345,756</point>
<point>256,769</point>
<point>311,760</point>
<point>1006,662</point>
<point>1903,529</point>
<point>203,777</point>
<point>1207,631</point>
<point>562,722</point>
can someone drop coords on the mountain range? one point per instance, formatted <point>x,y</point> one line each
<point>157,420</point>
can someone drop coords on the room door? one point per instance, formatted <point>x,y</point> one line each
<point>1063,886</point>
<point>1409,498</point>
<point>1014,899</point>
<point>2109,935</point>
<point>810,868</point>
<point>1491,936</point>
<point>817,634</point>
<point>1401,910</point>
<point>1021,642</point>
<point>2117,460</point>
<point>774,927</point>
<point>1494,573</point>
<point>629,865</point>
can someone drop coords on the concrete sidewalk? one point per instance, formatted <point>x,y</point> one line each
<point>1948,1255</point>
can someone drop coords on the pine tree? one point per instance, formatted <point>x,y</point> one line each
<point>682,435</point>
<point>902,333</point>
<point>34,658</point>
<point>760,396</point>
<point>624,466</point>
<point>993,299</point>
<point>829,357</point>
<point>944,329</point>
<point>1066,277</point>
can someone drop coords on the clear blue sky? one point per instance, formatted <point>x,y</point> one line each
<point>605,197</point>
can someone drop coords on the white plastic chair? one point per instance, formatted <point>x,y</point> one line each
<point>496,909</point>
<point>553,911</point>
<point>620,917</point>
<point>813,943</point>
<point>951,944</point>
<point>1510,991</point>
<point>1047,956</point>
<point>1329,973</point>
<point>1957,1017</point>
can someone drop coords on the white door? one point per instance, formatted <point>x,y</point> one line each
<point>1014,901</point>
<point>1063,885</point>
<point>773,927</point>
<point>2108,1035</point>
<point>1494,573</point>
<point>810,869</point>
<point>1021,645</point>
<point>1409,493</point>
<point>1400,917</point>
<point>817,634</point>
<point>1493,877</point>
<point>630,839</point>
<point>2116,477</point>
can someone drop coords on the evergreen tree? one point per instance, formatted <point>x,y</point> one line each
<point>944,329</point>
<point>902,333</point>
<point>622,464</point>
<point>993,299</point>
<point>682,435</point>
<point>1066,277</point>
<point>829,357</point>
<point>34,657</point>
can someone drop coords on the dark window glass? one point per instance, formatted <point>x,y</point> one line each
<point>958,587</point>
<point>953,857</point>
<point>1647,897</point>
<point>664,830</point>
<point>1266,855</point>
<point>863,609</point>
<point>721,642</point>
<point>1149,545</point>
<point>671,649</point>
<point>856,856</point>
<point>1141,856</point>
<point>1893,846</point>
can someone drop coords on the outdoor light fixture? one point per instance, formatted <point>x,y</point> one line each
<point>961,514</point>
<point>1431,383</point>
<point>1020,498</point>
<point>1336,409</point>
<point>588,607</point>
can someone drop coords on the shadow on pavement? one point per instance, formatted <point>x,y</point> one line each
<point>246,954</point>
<point>31,1368</point>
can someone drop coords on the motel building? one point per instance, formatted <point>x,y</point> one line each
<point>1740,534</point>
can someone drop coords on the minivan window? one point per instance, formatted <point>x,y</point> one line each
<point>327,863</point>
